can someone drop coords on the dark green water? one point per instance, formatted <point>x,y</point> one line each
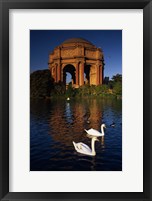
<point>54,124</point>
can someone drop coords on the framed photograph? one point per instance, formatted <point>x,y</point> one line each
<point>75,106</point>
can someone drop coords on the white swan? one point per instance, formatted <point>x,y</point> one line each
<point>96,133</point>
<point>84,149</point>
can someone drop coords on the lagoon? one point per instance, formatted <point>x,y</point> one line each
<point>55,123</point>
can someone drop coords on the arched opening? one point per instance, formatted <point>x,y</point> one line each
<point>68,78</point>
<point>69,74</point>
<point>87,74</point>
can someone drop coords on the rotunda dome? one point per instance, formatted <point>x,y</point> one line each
<point>77,40</point>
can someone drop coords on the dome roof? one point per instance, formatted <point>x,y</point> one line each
<point>77,40</point>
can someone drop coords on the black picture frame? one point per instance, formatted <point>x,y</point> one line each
<point>5,5</point>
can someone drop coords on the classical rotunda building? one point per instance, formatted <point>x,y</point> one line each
<point>79,57</point>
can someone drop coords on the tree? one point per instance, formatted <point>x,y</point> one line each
<point>41,84</point>
<point>59,88</point>
<point>70,90</point>
<point>117,89</point>
<point>117,78</point>
<point>116,84</point>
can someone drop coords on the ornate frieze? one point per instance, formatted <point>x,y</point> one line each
<point>90,54</point>
<point>68,53</point>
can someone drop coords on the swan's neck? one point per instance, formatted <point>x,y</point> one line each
<point>102,130</point>
<point>93,147</point>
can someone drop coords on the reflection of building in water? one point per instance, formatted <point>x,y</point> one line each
<point>79,57</point>
<point>68,122</point>
<point>95,114</point>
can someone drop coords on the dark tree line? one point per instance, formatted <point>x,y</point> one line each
<point>42,85</point>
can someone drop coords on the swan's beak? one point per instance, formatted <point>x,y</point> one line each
<point>97,139</point>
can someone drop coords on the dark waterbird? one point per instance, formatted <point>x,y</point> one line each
<point>113,124</point>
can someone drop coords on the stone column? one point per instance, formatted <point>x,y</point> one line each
<point>56,78</point>
<point>81,74</point>
<point>101,76</point>
<point>59,73</point>
<point>77,74</point>
<point>59,65</point>
<point>56,72</point>
<point>62,66</point>
<point>98,75</point>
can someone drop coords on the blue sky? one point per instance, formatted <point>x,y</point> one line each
<point>42,42</point>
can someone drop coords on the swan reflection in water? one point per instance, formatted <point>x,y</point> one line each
<point>102,141</point>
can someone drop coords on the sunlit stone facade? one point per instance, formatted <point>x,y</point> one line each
<point>79,57</point>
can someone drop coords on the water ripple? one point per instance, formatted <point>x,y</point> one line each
<point>55,124</point>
